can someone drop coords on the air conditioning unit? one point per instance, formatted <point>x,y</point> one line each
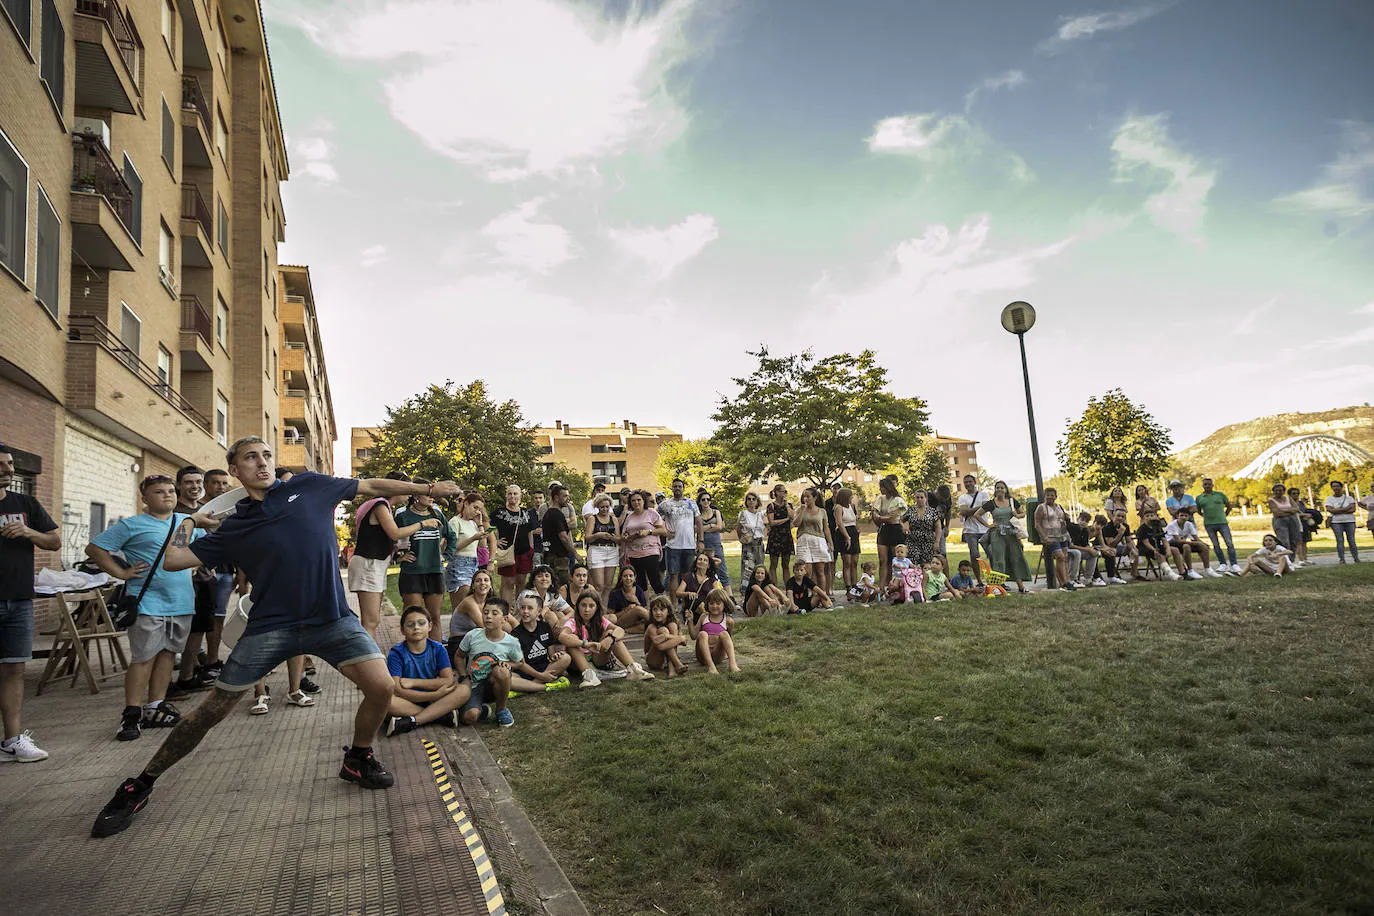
<point>94,127</point>
<point>168,279</point>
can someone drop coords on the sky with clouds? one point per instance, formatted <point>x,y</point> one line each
<point>556,195</point>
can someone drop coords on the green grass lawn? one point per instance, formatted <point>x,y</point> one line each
<point>1162,748</point>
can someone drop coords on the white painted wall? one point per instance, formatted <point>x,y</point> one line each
<point>98,468</point>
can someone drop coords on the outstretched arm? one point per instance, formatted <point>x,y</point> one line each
<point>381,486</point>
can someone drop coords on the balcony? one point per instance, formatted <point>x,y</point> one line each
<point>107,58</point>
<point>196,126</point>
<point>197,335</point>
<point>102,208</point>
<point>197,229</point>
<point>195,26</point>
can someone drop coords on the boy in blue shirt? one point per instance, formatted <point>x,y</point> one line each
<point>486,655</point>
<point>426,690</point>
<point>165,611</point>
<point>962,583</point>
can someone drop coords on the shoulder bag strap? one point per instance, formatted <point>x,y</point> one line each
<point>157,561</point>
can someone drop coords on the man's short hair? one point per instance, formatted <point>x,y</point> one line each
<point>1049,490</point>
<point>679,480</point>
<point>282,472</point>
<point>537,598</point>
<point>216,472</point>
<point>239,443</point>
<point>188,469</point>
<point>598,486</point>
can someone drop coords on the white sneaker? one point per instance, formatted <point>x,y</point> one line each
<point>1117,580</point>
<point>589,679</point>
<point>1100,582</point>
<point>1213,573</point>
<point>637,673</point>
<point>1193,574</point>
<point>22,750</point>
<point>1171,574</point>
<point>261,706</point>
<point>1237,568</point>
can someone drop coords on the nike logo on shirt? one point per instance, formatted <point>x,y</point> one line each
<point>293,497</point>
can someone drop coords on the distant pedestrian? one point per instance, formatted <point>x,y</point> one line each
<point>1340,511</point>
<point>712,524</point>
<point>887,515</point>
<point>752,531</point>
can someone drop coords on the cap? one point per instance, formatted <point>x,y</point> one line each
<point>660,495</point>
<point>1175,482</point>
<point>624,491</point>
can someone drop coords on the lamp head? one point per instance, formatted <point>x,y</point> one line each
<point>1018,317</point>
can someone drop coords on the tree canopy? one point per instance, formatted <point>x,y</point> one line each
<point>796,417</point>
<point>1114,442</point>
<point>458,433</point>
<point>923,467</point>
<point>703,463</point>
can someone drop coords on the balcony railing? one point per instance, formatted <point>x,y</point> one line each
<point>196,317</point>
<point>193,206</point>
<point>193,98</point>
<point>92,329</point>
<point>129,45</point>
<point>94,172</point>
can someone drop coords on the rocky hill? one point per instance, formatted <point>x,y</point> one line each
<point>1232,447</point>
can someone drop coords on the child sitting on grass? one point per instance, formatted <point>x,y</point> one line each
<point>544,663</point>
<point>593,642</point>
<point>712,631</point>
<point>487,655</point>
<point>1273,559</point>
<point>866,591</point>
<point>937,583</point>
<point>806,594</point>
<point>662,639</point>
<point>897,588</point>
<point>426,690</point>
<point>962,583</point>
<point>763,597</point>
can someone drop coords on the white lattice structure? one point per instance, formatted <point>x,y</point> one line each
<point>1297,453</point>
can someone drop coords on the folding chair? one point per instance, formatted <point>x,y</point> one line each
<point>84,621</point>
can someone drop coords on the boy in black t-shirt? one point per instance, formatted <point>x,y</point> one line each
<point>806,594</point>
<point>544,660</point>
<point>1150,539</point>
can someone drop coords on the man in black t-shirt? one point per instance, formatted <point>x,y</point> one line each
<point>544,662</point>
<point>558,535</point>
<point>190,492</point>
<point>24,525</point>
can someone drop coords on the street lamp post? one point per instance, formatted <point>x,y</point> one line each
<point>1018,318</point>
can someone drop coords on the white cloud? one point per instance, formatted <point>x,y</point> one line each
<point>1343,191</point>
<point>314,157</point>
<point>521,241</point>
<point>372,255</point>
<point>1085,26</point>
<point>518,87</point>
<point>1009,80</point>
<point>1142,144</point>
<point>666,249</point>
<point>919,134</point>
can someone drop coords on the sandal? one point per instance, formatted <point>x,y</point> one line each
<point>261,706</point>
<point>164,715</point>
<point>300,698</point>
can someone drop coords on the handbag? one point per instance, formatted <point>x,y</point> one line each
<point>505,556</point>
<point>126,607</point>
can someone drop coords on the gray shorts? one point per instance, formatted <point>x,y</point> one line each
<point>150,635</point>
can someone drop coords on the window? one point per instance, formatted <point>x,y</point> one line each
<point>49,282</point>
<point>97,518</point>
<point>221,321</point>
<point>52,69</point>
<point>222,225</point>
<point>169,137</point>
<point>130,329</point>
<point>166,251</point>
<point>135,182</point>
<point>598,449</point>
<point>14,208</point>
<point>169,26</point>
<point>266,269</point>
<point>610,471</point>
<point>362,453</point>
<point>221,419</point>
<point>221,136</point>
<point>274,370</point>
<point>220,48</point>
<point>266,350</point>
<point>18,11</point>
<point>164,365</point>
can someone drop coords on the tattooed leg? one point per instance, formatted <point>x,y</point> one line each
<point>191,729</point>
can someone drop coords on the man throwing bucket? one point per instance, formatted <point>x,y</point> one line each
<point>282,537</point>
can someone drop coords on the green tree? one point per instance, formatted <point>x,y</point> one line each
<point>796,417</point>
<point>923,467</point>
<point>703,463</point>
<point>458,433</point>
<point>1113,442</point>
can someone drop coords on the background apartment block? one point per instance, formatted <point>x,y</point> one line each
<point>140,157</point>
<point>621,455</point>
<point>307,408</point>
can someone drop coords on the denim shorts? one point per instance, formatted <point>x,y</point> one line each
<point>1058,546</point>
<point>679,560</point>
<point>16,630</point>
<point>341,642</point>
<point>459,573</point>
<point>224,587</point>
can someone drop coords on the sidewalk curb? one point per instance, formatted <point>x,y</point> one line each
<point>555,890</point>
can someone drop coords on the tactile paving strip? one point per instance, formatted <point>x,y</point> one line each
<point>481,862</point>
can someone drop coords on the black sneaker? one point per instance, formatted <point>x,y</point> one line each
<point>448,719</point>
<point>309,686</point>
<point>130,724</point>
<point>165,715</point>
<point>399,725</point>
<point>367,771</point>
<point>214,668</point>
<point>194,682</point>
<point>176,692</point>
<point>128,800</point>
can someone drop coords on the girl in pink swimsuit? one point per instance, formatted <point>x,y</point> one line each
<point>713,634</point>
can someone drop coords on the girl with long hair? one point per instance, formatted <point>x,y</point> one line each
<point>814,547</point>
<point>1004,549</point>
<point>602,535</point>
<point>712,524</point>
<point>421,581</point>
<point>640,529</point>
<point>887,515</point>
<point>779,521</point>
<point>847,526</point>
<point>593,641</point>
<point>712,631</point>
<point>662,639</point>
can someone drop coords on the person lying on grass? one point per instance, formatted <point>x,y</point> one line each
<point>426,690</point>
<point>712,632</point>
<point>662,639</point>
<point>866,591</point>
<point>486,655</point>
<point>937,583</point>
<point>962,584</point>
<point>628,603</point>
<point>544,662</point>
<point>1273,559</point>
<point>593,641</point>
<point>806,594</point>
<point>763,596</point>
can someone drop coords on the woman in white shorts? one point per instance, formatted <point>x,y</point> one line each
<point>814,546</point>
<point>374,544</point>
<point>603,546</point>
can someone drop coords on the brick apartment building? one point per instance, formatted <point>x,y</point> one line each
<point>141,154</point>
<point>960,454</point>
<point>621,455</point>
<point>307,408</point>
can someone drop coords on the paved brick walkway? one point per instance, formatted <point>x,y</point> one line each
<point>256,821</point>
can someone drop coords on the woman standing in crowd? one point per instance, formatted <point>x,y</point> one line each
<point>515,539</point>
<point>467,532</point>
<point>847,530</point>
<point>751,529</point>
<point>1144,502</point>
<point>887,515</point>
<point>1340,509</point>
<point>603,545</point>
<point>1287,521</point>
<point>1004,548</point>
<point>422,574</point>
<point>1115,500</point>
<point>814,547</point>
<point>641,529</point>
<point>780,547</point>
<point>942,500</point>
<point>923,529</point>
<point>712,524</point>
<point>376,541</point>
